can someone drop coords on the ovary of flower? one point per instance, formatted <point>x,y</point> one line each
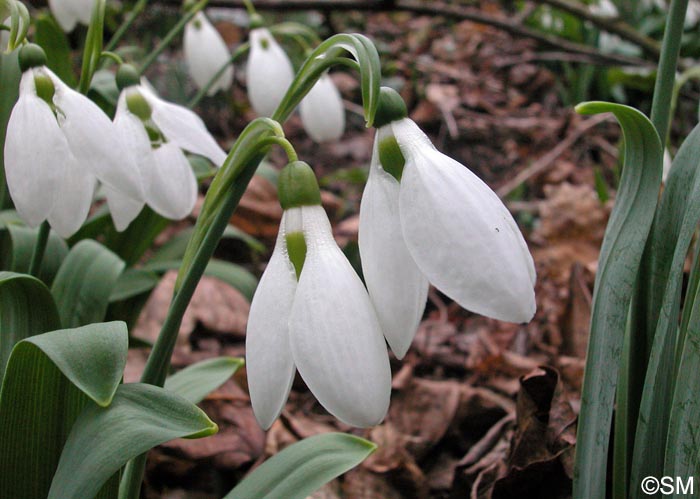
<point>68,13</point>
<point>439,224</point>
<point>55,153</point>
<point>269,72</point>
<point>322,111</point>
<point>206,53</point>
<point>324,324</point>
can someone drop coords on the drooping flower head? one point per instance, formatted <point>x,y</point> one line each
<point>206,53</point>
<point>58,144</point>
<point>269,72</point>
<point>322,111</point>
<point>156,133</point>
<point>69,13</point>
<point>312,313</point>
<point>425,218</point>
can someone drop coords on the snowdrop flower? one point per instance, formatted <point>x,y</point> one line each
<point>69,13</point>
<point>311,311</point>
<point>58,144</point>
<point>424,218</point>
<point>269,72</point>
<point>322,111</point>
<point>206,53</point>
<point>155,133</point>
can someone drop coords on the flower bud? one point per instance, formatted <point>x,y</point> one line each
<point>297,186</point>
<point>31,56</point>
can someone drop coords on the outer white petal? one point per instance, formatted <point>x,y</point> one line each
<point>183,127</point>
<point>173,189</point>
<point>136,142</point>
<point>83,10</point>
<point>206,53</point>
<point>336,340</point>
<point>65,14</point>
<point>396,285</point>
<point>94,141</point>
<point>269,72</point>
<point>36,153</point>
<point>74,193</point>
<point>460,234</point>
<point>322,111</point>
<point>123,209</point>
<point>269,362</point>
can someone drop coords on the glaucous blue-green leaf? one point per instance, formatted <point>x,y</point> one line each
<point>304,467</point>
<point>195,382</point>
<point>84,283</point>
<point>132,243</point>
<point>133,282</point>
<point>103,439</point>
<point>618,264</point>
<point>48,380</point>
<point>26,309</point>
<point>17,246</point>
<point>174,248</point>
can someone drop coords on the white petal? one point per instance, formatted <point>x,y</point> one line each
<point>64,13</point>
<point>206,53</point>
<point>83,10</point>
<point>335,337</point>
<point>322,111</point>
<point>269,72</point>
<point>94,141</point>
<point>35,154</point>
<point>122,208</point>
<point>396,285</point>
<point>460,234</point>
<point>136,142</point>
<point>183,127</point>
<point>173,189</point>
<point>74,193</point>
<point>269,362</point>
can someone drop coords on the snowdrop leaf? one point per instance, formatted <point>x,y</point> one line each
<point>322,111</point>
<point>205,54</point>
<point>131,283</point>
<point>49,378</point>
<point>17,246</point>
<point>269,72</point>
<point>326,55</point>
<point>460,234</point>
<point>50,37</point>
<point>270,365</point>
<point>10,76</point>
<point>335,338</point>
<point>196,381</point>
<point>174,248</point>
<point>133,242</point>
<point>90,12</point>
<point>84,283</point>
<point>304,467</point>
<point>103,439</point>
<point>396,285</point>
<point>618,264</point>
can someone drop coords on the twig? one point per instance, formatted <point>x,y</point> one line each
<point>546,161</point>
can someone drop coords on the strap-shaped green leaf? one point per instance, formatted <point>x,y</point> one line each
<point>195,382</point>
<point>84,283</point>
<point>677,217</point>
<point>302,468</point>
<point>17,246</point>
<point>48,380</point>
<point>26,309</point>
<point>620,256</point>
<point>133,282</point>
<point>49,36</point>
<point>10,75</point>
<point>103,439</point>
<point>174,249</point>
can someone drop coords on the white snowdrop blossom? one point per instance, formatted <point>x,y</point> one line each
<point>69,13</point>
<point>440,224</point>
<point>58,144</point>
<point>311,312</point>
<point>170,185</point>
<point>269,72</point>
<point>206,53</point>
<point>322,111</point>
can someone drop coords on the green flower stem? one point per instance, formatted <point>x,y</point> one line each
<point>172,34</point>
<point>126,25</point>
<point>284,144</point>
<point>112,56</point>
<point>241,50</point>
<point>249,7</point>
<point>39,249</point>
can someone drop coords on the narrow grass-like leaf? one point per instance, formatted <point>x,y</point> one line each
<point>302,468</point>
<point>620,256</point>
<point>234,275</point>
<point>48,380</point>
<point>50,37</point>
<point>17,246</point>
<point>10,75</point>
<point>26,309</point>
<point>677,218</point>
<point>195,382</point>
<point>174,249</point>
<point>103,439</point>
<point>84,283</point>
